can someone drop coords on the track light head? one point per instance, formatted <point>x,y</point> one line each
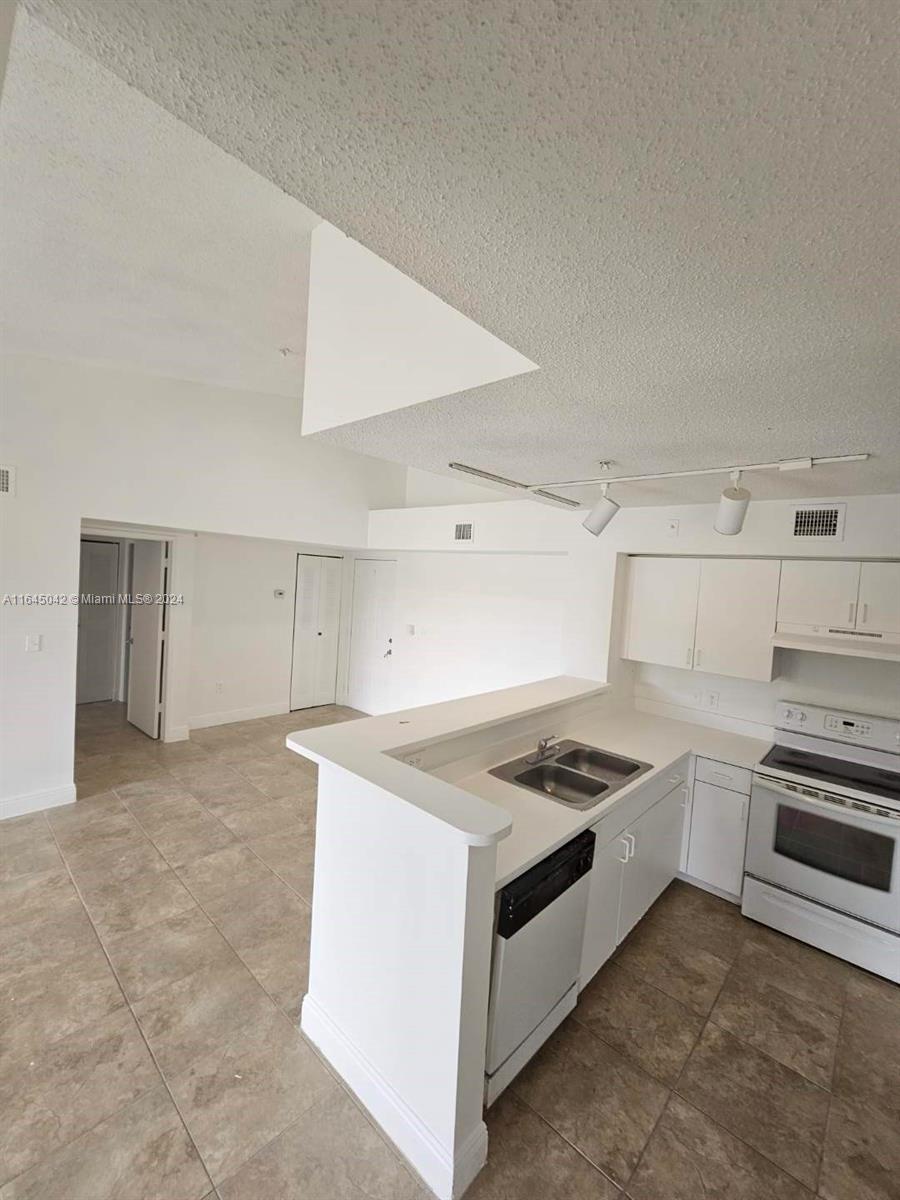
<point>601,514</point>
<point>732,508</point>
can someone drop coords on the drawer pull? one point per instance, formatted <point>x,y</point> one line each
<point>674,779</point>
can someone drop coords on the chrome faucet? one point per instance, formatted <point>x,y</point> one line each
<point>546,747</point>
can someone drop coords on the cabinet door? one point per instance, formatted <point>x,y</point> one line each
<point>736,617</point>
<point>718,836</point>
<point>662,610</point>
<point>818,593</point>
<point>602,922</point>
<point>879,598</point>
<point>656,850</point>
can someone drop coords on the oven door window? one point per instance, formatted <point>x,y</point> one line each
<point>835,847</point>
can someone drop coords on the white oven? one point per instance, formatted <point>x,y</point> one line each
<point>833,847</point>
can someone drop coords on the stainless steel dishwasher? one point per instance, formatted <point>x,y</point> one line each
<point>537,955</point>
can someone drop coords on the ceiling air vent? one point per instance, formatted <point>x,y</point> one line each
<point>820,521</point>
<point>463,532</point>
<point>7,481</point>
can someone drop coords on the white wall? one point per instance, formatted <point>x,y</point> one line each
<point>408,345</point>
<point>242,634</point>
<point>588,581</point>
<point>425,488</point>
<point>108,445</point>
<point>469,623</point>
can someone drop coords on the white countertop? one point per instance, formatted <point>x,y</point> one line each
<point>367,748</point>
<point>540,825</point>
<point>481,809</point>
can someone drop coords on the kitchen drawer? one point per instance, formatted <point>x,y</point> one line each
<point>720,774</point>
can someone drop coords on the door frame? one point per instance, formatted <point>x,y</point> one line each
<point>173,724</point>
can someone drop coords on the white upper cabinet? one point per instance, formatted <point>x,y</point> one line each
<point>879,598</point>
<point>661,610</point>
<point>818,593</point>
<point>736,617</point>
<point>715,615</point>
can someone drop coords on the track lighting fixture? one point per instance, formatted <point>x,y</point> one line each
<point>602,512</point>
<point>732,507</point>
<point>732,503</point>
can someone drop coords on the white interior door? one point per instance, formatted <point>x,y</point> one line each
<point>146,641</point>
<point>372,634</point>
<point>317,613</point>
<point>98,624</point>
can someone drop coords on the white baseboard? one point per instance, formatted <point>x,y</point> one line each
<point>447,1174</point>
<point>207,720</point>
<point>177,733</point>
<point>29,802</point>
<point>703,716</point>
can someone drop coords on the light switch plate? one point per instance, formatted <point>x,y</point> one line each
<point>33,642</point>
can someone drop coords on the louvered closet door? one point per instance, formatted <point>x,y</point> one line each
<point>317,611</point>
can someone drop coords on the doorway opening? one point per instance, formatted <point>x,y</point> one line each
<point>122,623</point>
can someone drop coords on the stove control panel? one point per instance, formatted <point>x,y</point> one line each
<point>878,733</point>
<point>853,727</point>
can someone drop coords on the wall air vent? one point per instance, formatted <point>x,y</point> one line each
<point>463,532</point>
<point>820,521</point>
<point>7,481</point>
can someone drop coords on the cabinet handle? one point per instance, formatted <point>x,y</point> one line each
<point>630,837</point>
<point>743,810</point>
<point>851,612</point>
<point>624,842</point>
<point>697,657</point>
<point>674,779</point>
<point>690,652</point>
<point>865,614</point>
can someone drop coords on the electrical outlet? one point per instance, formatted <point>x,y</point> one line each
<point>33,641</point>
<point>712,699</point>
<point>220,688</point>
<point>672,527</point>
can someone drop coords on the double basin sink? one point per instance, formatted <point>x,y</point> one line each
<point>572,773</point>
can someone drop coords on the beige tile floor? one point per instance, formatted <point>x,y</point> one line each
<point>153,946</point>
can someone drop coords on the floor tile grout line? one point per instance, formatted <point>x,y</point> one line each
<point>544,1120</point>
<point>137,1024</point>
<point>673,1088</point>
<point>831,1093</point>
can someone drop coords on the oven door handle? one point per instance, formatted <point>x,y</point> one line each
<point>833,807</point>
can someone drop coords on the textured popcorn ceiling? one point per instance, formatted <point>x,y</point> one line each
<point>683,213</point>
<point>128,238</point>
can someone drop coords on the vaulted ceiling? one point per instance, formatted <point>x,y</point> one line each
<point>682,213</point>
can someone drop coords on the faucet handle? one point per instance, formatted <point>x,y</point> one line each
<point>544,742</point>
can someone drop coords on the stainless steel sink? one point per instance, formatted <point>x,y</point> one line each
<point>572,773</point>
<point>598,763</point>
<point>569,787</point>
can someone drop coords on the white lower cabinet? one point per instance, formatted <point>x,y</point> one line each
<point>601,927</point>
<point>630,871</point>
<point>718,837</point>
<point>655,851</point>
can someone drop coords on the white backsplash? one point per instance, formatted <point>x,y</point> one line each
<point>855,684</point>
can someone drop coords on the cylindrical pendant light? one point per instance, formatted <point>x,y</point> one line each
<point>732,508</point>
<point>601,514</point>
